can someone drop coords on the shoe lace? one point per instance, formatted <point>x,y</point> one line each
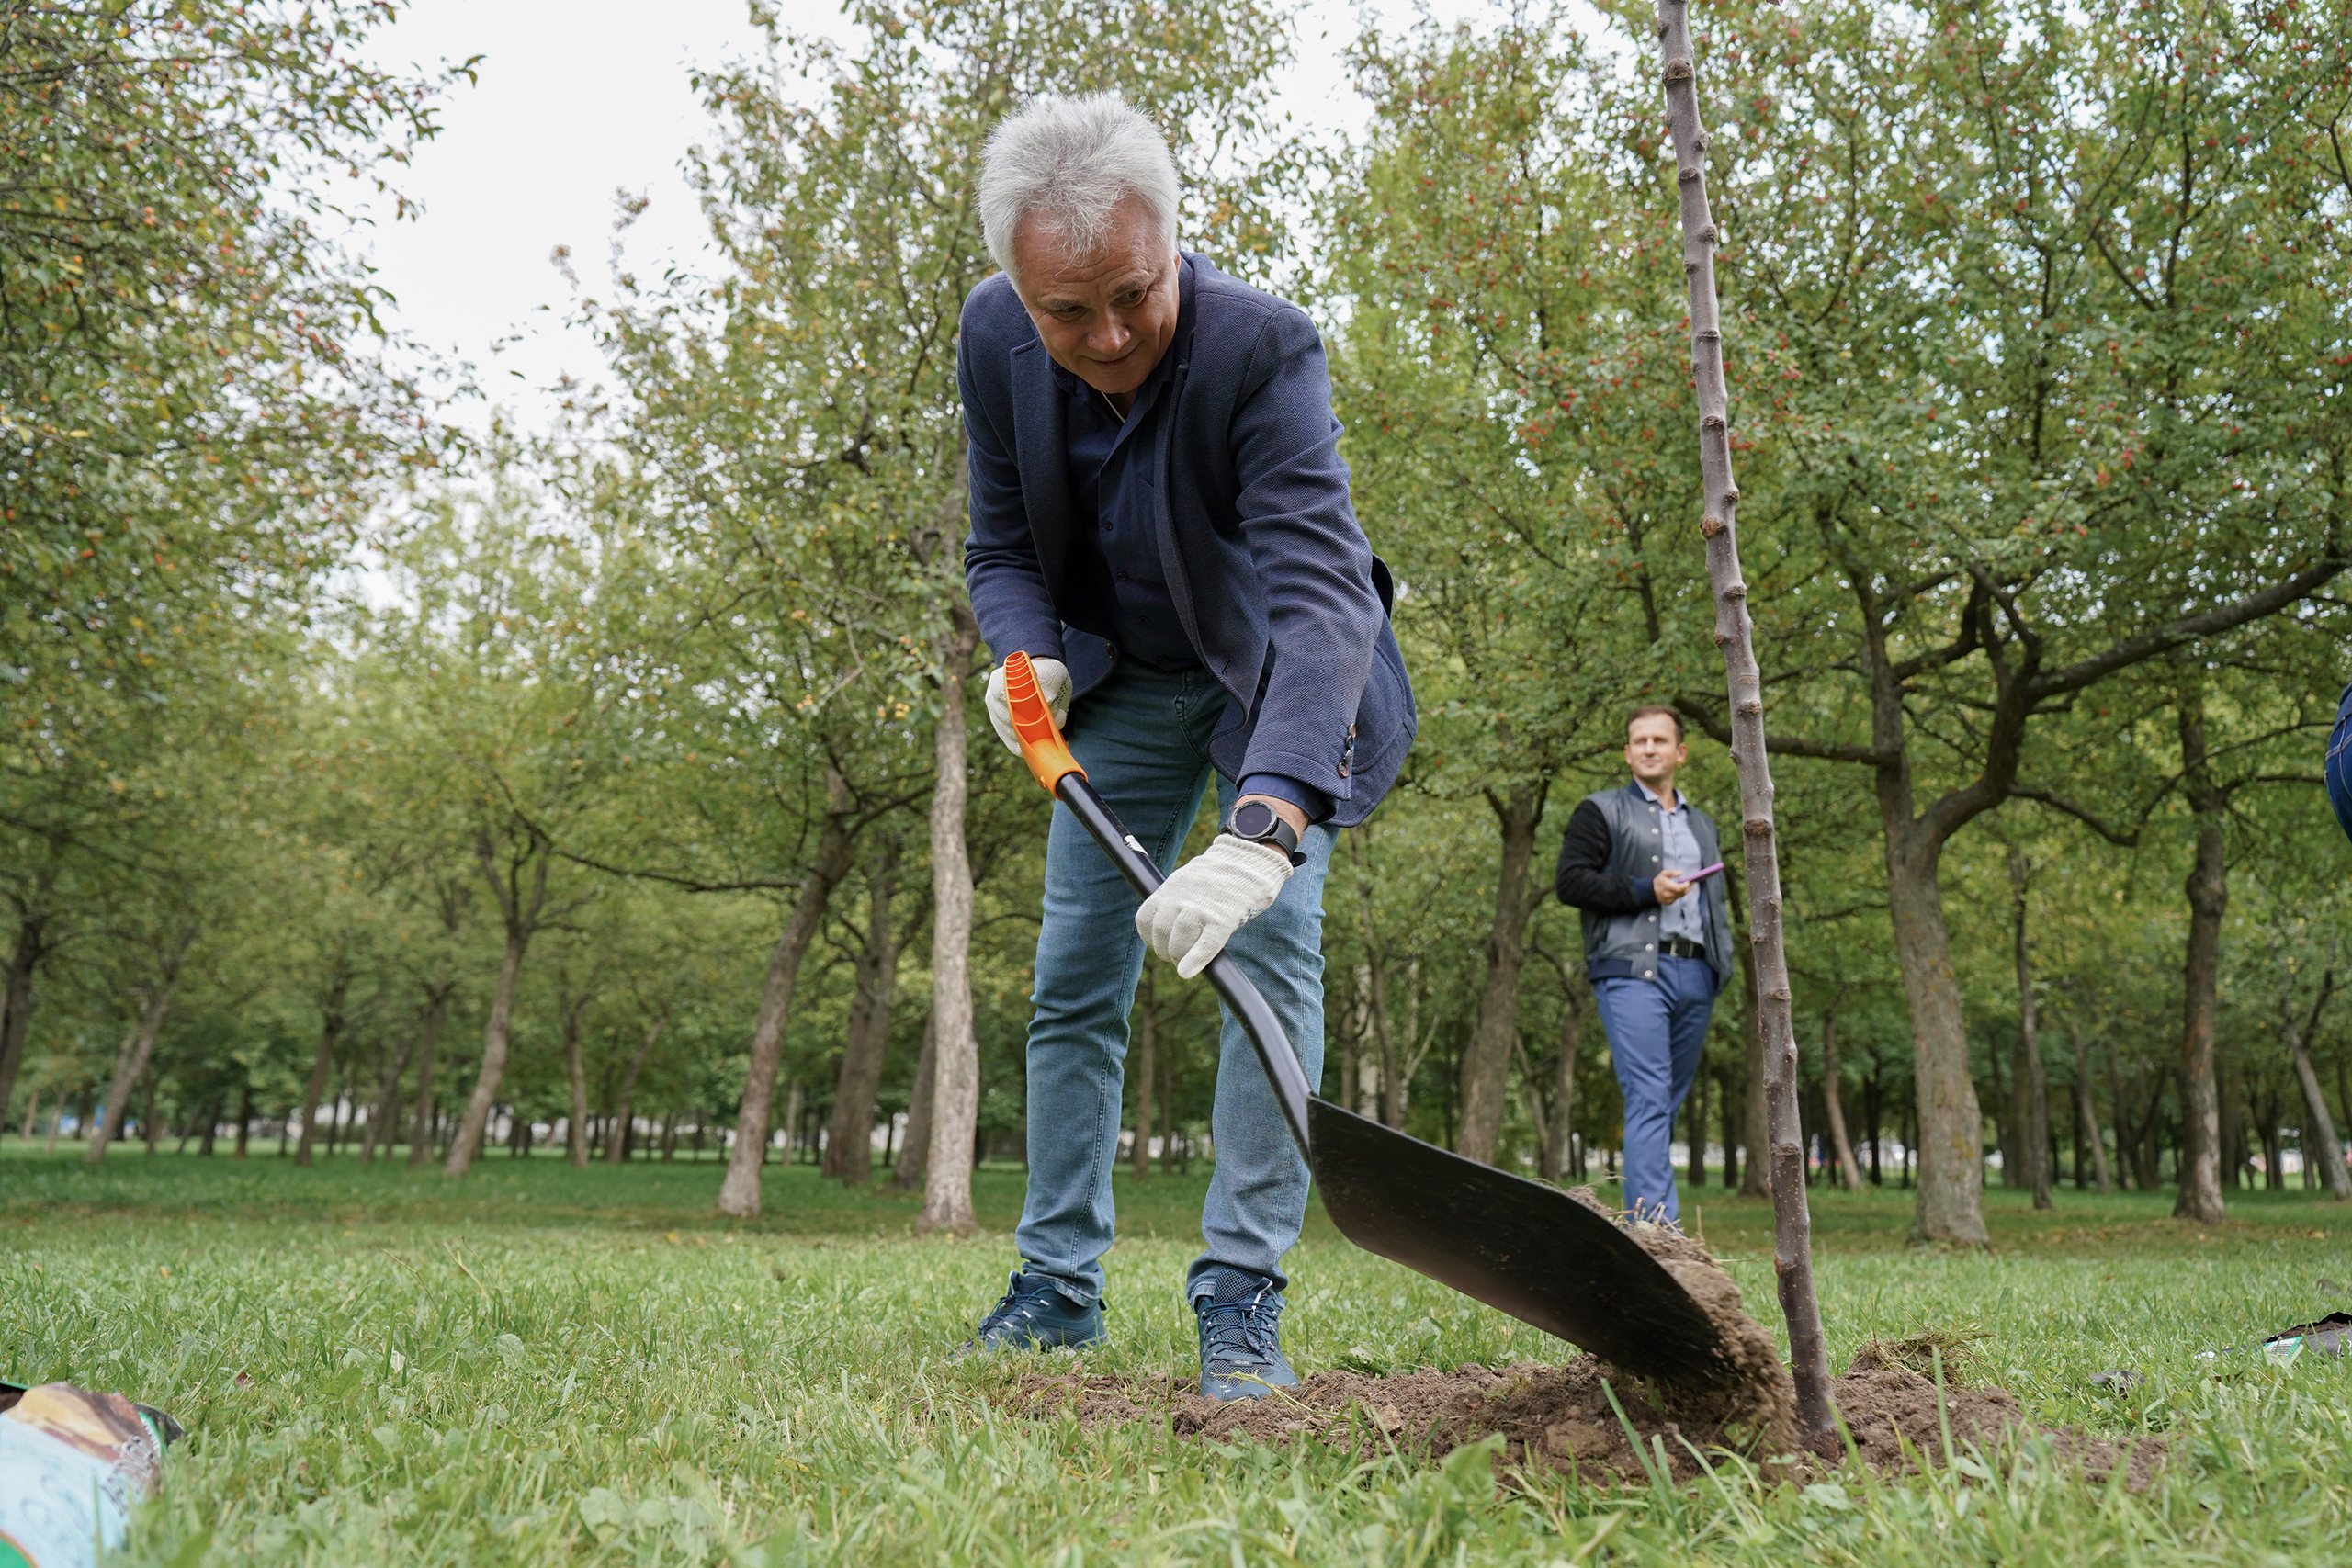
<point>1018,1305</point>
<point>1243,1330</point>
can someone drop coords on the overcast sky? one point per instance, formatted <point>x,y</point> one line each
<point>575,101</point>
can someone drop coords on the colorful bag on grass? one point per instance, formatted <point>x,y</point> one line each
<point>73,1464</point>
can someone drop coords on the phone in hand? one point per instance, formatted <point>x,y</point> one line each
<point>1703,873</point>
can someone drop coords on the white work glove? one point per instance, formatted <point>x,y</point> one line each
<point>1212,896</point>
<point>1053,685</point>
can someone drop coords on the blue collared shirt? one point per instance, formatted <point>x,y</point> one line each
<point>1677,851</point>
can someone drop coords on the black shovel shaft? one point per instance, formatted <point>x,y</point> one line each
<point>1257,1020</point>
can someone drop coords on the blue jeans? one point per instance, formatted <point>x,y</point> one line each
<point>1656,1028</point>
<point>1142,737</point>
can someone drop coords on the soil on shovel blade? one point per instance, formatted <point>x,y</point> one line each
<point>1562,1417</point>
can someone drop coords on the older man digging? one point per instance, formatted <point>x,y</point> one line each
<point>1161,521</point>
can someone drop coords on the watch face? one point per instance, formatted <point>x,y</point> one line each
<point>1253,821</point>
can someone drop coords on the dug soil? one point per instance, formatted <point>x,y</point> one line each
<point>1576,1418</point>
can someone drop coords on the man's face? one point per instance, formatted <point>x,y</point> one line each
<point>1106,319</point>
<point>1653,749</point>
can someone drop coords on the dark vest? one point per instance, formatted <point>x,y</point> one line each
<point>1621,945</point>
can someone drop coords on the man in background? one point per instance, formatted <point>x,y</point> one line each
<point>1656,941</point>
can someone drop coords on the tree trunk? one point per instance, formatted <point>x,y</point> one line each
<point>1146,1068</point>
<point>130,1067</point>
<point>2329,1154</point>
<point>1355,1028</point>
<point>1486,1065</point>
<point>570,1011</point>
<point>2004,1113</point>
<point>2087,1110</point>
<point>955,1102</point>
<point>914,1150</point>
<point>383,1120</point>
<point>2030,1108</point>
<point>1791,1221</point>
<point>1392,1087</point>
<point>1732,1115</point>
<point>330,1035</point>
<point>1694,1125</point>
<point>1849,1173</point>
<point>617,1143</point>
<point>739,1193</point>
<point>437,1008</point>
<point>16,999</point>
<point>849,1148</point>
<point>2209,901</point>
<point>522,923</point>
<point>1950,1192</point>
<point>1564,1083</point>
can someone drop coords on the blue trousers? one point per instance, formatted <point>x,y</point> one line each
<point>1142,737</point>
<point>1656,1028</point>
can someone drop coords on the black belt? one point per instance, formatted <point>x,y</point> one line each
<point>1682,947</point>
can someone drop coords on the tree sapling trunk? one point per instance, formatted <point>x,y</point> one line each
<point>1792,1220</point>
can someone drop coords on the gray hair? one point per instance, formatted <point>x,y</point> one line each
<point>1067,163</point>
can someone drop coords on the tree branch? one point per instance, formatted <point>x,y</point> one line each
<point>2148,644</point>
<point>2115,836</point>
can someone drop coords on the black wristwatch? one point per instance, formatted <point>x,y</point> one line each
<point>1261,824</point>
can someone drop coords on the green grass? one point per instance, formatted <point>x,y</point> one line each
<point>543,1365</point>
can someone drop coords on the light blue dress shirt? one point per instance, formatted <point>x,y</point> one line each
<point>1678,852</point>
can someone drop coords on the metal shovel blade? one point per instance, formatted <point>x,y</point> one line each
<point>1519,1246</point>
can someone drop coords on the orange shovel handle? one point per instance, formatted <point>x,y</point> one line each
<point>1042,746</point>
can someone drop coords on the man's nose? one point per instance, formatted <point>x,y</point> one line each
<point>1110,336</point>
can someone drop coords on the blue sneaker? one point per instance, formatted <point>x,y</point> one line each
<point>1242,1350</point>
<point>1035,1315</point>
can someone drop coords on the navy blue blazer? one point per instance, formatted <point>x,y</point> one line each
<point>1272,577</point>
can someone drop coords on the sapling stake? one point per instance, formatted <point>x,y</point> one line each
<point>1791,1221</point>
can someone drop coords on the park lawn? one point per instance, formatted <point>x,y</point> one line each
<point>542,1365</point>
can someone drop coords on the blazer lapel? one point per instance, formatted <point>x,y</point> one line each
<point>1171,399</point>
<point>1041,450</point>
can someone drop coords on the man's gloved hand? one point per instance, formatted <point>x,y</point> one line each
<point>1210,896</point>
<point>1053,685</point>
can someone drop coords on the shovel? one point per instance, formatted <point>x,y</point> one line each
<point>1519,1246</point>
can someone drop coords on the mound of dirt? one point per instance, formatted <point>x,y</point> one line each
<point>1562,1418</point>
<point>1898,1424</point>
<point>1556,1417</point>
<point>1559,1417</point>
